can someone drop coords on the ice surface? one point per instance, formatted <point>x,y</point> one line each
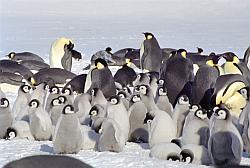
<point>32,25</point>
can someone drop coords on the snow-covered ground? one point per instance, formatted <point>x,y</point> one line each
<point>31,25</point>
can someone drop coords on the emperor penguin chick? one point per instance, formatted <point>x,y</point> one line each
<point>181,110</point>
<point>197,130</point>
<point>117,111</point>
<point>5,116</point>
<point>40,93</point>
<point>112,137</point>
<point>40,122</point>
<point>68,136</point>
<point>54,92</point>
<point>68,93</point>
<point>225,144</point>
<point>162,101</point>
<point>97,111</point>
<point>55,110</point>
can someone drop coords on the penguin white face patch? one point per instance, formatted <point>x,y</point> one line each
<point>93,113</point>
<point>11,135</point>
<point>54,90</point>
<point>26,89</point>
<point>194,107</point>
<point>183,101</point>
<point>113,101</point>
<point>56,102</point>
<point>161,92</point>
<point>122,95</point>
<point>221,115</point>
<point>143,89</point>
<point>4,103</point>
<point>33,104</point>
<point>68,110</point>
<point>136,98</point>
<point>199,114</point>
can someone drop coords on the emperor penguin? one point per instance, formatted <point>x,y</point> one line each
<point>153,81</point>
<point>77,83</point>
<point>195,154</point>
<point>61,54</point>
<point>197,130</point>
<point>34,66</point>
<point>97,97</point>
<point>112,137</point>
<point>105,55</point>
<point>54,92</point>
<point>40,93</point>
<point>125,75</point>
<point>68,93</point>
<point>82,106</point>
<point>97,111</point>
<point>246,57</point>
<point>180,112</point>
<point>231,65</point>
<point>177,80</point>
<point>49,161</point>
<point>2,94</point>
<point>11,82</point>
<point>40,122</point>
<point>190,116</point>
<point>99,77</point>
<point>166,151</point>
<point>5,116</point>
<point>125,97</point>
<point>55,110</point>
<point>24,56</point>
<point>150,54</point>
<point>245,130</point>
<point>162,101</point>
<point>225,144</point>
<point>20,107</point>
<point>137,112</point>
<point>141,79</point>
<point>90,138</point>
<point>67,136</point>
<point>19,130</point>
<point>161,127</point>
<point>118,112</point>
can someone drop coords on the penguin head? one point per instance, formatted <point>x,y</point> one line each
<point>62,99</point>
<point>160,82</point>
<point>222,113</point>
<point>182,52</point>
<point>69,45</point>
<point>54,90</point>
<point>122,94</point>
<point>161,91</point>
<point>68,109</point>
<point>66,91</point>
<point>214,59</point>
<point>194,107</point>
<point>94,111</point>
<point>231,57</point>
<point>144,89</point>
<point>173,157</point>
<point>11,55</point>
<point>149,118</point>
<point>10,133</point>
<point>201,113</point>
<point>46,87</point>
<point>32,81</point>
<point>55,102</point>
<point>34,103</point>
<point>25,88</point>
<point>94,91</point>
<point>108,50</point>
<point>135,98</point>
<point>114,100</point>
<point>187,156</point>
<point>183,100</point>
<point>100,63</point>
<point>200,50</point>
<point>127,90</point>
<point>148,36</point>
<point>4,103</point>
<point>244,92</point>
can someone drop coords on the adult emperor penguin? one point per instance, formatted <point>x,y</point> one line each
<point>52,76</point>
<point>34,66</point>
<point>142,78</point>
<point>20,107</point>
<point>112,137</point>
<point>166,151</point>
<point>231,65</point>
<point>225,144</point>
<point>196,131</point>
<point>40,122</point>
<point>99,77</point>
<point>103,54</point>
<point>137,112</point>
<point>125,75</point>
<point>177,80</point>
<point>77,83</point>
<point>180,112</point>
<point>10,82</point>
<point>24,56</point>
<point>195,154</point>
<point>67,136</point>
<point>162,101</point>
<point>49,161</point>
<point>5,116</point>
<point>118,112</point>
<point>61,54</point>
<point>19,130</point>
<point>161,127</point>
<point>150,54</point>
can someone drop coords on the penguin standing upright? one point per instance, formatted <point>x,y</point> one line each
<point>54,92</point>
<point>97,97</point>
<point>67,136</point>
<point>231,65</point>
<point>150,54</point>
<point>82,106</point>
<point>55,110</point>
<point>5,116</point>
<point>97,111</point>
<point>40,93</point>
<point>162,101</point>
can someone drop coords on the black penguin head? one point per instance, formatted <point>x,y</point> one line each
<point>144,89</point>
<point>182,52</point>
<point>4,103</point>
<point>194,107</point>
<point>231,57</point>
<point>62,99</point>
<point>108,50</point>
<point>148,35</point>
<point>122,94</point>
<point>173,157</point>
<point>127,90</point>
<point>244,92</point>
<point>66,91</point>
<point>200,50</point>
<point>68,109</point>
<point>69,46</point>
<point>55,102</point>
<point>25,88</point>
<point>160,82</point>
<point>187,156</point>
<point>183,99</point>
<point>34,103</point>
<point>94,111</point>
<point>11,133</point>
<point>176,142</point>
<point>100,63</point>
<point>114,100</point>
<point>11,55</point>
<point>161,91</point>
<point>213,59</point>
<point>149,118</point>
<point>46,86</point>
<point>94,91</point>
<point>54,90</point>
<point>222,113</point>
<point>135,98</point>
<point>201,113</point>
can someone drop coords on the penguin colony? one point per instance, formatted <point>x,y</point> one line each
<point>185,105</point>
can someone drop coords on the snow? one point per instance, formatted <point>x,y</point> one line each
<point>29,25</point>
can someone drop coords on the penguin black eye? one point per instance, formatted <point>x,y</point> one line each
<point>149,121</point>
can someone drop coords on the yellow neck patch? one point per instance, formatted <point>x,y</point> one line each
<point>236,60</point>
<point>210,62</point>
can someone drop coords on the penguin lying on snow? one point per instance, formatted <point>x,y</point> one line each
<point>24,56</point>
<point>10,82</point>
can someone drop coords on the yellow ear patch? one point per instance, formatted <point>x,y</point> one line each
<point>210,62</point>
<point>236,60</point>
<point>99,66</point>
<point>128,61</point>
<point>149,37</point>
<point>184,54</point>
